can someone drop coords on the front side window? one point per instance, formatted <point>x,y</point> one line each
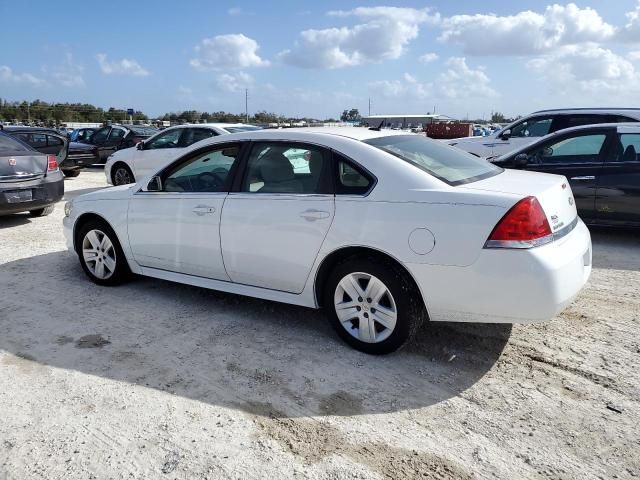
<point>581,149</point>
<point>206,172</point>
<point>533,127</point>
<point>283,167</point>
<point>168,139</point>
<point>116,134</point>
<point>100,136</point>
<point>449,164</point>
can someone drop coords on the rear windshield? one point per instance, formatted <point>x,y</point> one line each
<point>449,164</point>
<point>8,144</point>
<point>244,128</point>
<point>143,131</point>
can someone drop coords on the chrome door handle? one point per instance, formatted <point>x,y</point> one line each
<point>314,215</point>
<point>586,177</point>
<point>203,210</point>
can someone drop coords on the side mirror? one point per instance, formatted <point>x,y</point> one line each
<point>506,135</point>
<point>140,145</point>
<point>521,160</point>
<point>154,185</point>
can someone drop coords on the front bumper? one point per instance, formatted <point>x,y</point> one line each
<point>44,192</point>
<point>509,286</point>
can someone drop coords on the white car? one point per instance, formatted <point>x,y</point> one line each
<point>531,128</point>
<point>383,229</point>
<point>127,165</point>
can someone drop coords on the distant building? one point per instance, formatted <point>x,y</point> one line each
<point>404,120</point>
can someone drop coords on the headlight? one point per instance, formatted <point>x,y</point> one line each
<point>67,208</point>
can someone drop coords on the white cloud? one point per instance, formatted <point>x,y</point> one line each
<point>124,66</point>
<point>68,73</point>
<point>383,35</point>
<point>234,82</point>
<point>7,75</point>
<point>634,55</point>
<point>428,57</point>
<point>458,81</point>
<point>586,69</point>
<point>235,11</point>
<point>227,51</point>
<point>631,30</point>
<point>526,32</point>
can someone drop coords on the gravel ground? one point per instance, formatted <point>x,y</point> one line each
<point>158,380</point>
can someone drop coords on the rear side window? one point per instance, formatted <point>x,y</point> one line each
<point>116,134</point>
<point>53,141</point>
<point>8,144</point>
<point>449,164</point>
<point>351,180</point>
<point>100,135</point>
<point>629,149</point>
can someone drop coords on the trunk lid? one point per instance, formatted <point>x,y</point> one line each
<point>24,165</point>
<point>552,191</point>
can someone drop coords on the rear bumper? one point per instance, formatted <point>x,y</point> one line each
<point>44,192</point>
<point>509,286</point>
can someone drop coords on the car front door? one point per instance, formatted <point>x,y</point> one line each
<point>274,224</point>
<point>521,134</point>
<point>579,157</point>
<point>618,185</point>
<point>178,228</point>
<point>156,152</point>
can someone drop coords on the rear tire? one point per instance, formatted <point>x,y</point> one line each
<point>101,255</point>
<point>71,173</point>
<point>122,175</point>
<point>373,304</point>
<point>42,212</point>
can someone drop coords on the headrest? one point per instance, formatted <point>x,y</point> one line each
<point>276,168</point>
<point>629,154</point>
<point>315,163</point>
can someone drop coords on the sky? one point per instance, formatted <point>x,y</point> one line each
<point>316,59</point>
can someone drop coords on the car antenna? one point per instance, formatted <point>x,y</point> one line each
<point>378,128</point>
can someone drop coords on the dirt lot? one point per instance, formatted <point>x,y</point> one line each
<point>157,380</point>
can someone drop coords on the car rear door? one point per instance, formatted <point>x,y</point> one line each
<point>273,226</point>
<point>618,185</point>
<point>579,157</point>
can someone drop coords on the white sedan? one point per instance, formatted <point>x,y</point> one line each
<point>128,165</point>
<point>383,229</point>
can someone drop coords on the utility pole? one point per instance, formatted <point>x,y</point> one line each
<point>246,105</point>
<point>369,106</point>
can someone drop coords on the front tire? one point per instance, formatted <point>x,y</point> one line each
<point>373,304</point>
<point>42,212</point>
<point>101,255</point>
<point>122,175</point>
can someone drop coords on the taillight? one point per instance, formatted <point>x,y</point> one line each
<point>525,225</point>
<point>52,163</point>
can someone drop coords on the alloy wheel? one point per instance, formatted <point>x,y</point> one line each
<point>365,307</point>
<point>99,254</point>
<point>122,176</point>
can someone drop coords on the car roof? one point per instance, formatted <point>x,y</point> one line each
<point>355,133</point>
<point>30,129</point>
<point>635,112</point>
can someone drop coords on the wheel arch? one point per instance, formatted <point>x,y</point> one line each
<point>87,217</point>
<point>335,257</point>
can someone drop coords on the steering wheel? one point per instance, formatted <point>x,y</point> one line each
<point>209,180</point>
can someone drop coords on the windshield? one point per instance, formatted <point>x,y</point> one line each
<point>243,128</point>
<point>449,164</point>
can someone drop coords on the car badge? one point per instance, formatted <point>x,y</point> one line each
<point>12,162</point>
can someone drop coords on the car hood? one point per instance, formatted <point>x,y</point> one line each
<point>110,193</point>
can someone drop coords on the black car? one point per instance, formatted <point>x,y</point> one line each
<point>116,137</point>
<point>601,163</point>
<point>72,156</point>
<point>30,181</point>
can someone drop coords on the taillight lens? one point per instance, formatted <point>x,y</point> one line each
<point>52,163</point>
<point>525,225</point>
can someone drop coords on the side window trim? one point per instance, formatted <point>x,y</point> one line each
<point>358,166</point>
